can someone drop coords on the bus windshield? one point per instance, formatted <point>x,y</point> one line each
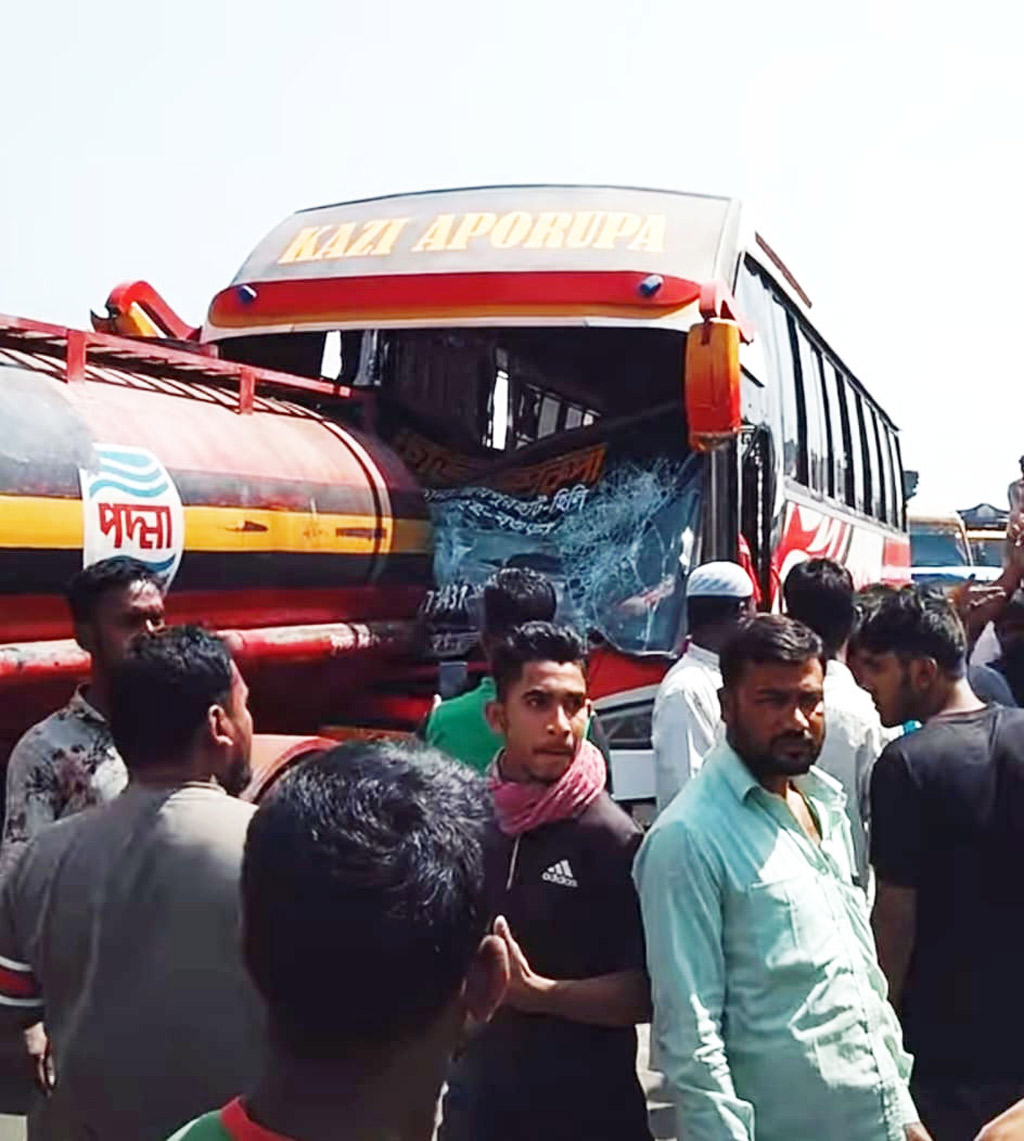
<point>561,449</point>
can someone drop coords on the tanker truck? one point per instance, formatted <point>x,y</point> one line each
<point>396,397</point>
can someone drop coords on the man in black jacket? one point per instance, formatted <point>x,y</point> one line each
<point>558,1061</point>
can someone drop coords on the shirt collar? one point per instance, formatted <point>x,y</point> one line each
<point>700,654</point>
<point>80,707</point>
<point>742,781</point>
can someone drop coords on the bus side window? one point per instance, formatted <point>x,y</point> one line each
<point>839,433</point>
<point>896,485</point>
<point>884,475</point>
<point>869,455</point>
<point>855,496</point>
<point>755,301</point>
<point>829,484</point>
<point>817,439</point>
<point>897,463</point>
<point>794,454</point>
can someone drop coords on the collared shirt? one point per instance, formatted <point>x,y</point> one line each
<point>770,1008</point>
<point>686,720</point>
<point>854,740</point>
<point>121,925</point>
<point>62,765</point>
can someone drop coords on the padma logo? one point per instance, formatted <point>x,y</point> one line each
<point>131,507</point>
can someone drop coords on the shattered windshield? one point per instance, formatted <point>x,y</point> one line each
<point>563,450</point>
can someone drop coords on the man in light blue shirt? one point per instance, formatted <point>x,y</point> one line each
<point>770,1010</point>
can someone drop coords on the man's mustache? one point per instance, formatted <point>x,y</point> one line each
<point>794,739</point>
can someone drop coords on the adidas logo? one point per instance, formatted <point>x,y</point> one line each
<point>561,874</point>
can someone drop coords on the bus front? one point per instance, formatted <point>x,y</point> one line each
<point>526,348</point>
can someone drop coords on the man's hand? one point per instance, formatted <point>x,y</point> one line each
<point>37,1046</point>
<point>917,1132</point>
<point>1008,1126</point>
<point>979,603</point>
<point>526,989</point>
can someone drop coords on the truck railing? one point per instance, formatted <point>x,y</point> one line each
<point>73,355</point>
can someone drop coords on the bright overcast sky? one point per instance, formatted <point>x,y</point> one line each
<point>881,146</point>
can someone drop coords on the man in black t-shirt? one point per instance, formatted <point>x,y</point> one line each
<point>558,1060</point>
<point>947,844</point>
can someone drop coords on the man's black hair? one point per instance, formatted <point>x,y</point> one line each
<point>88,586</point>
<point>819,593</point>
<point>864,603</point>
<point>534,642</point>
<point>768,639</point>
<point>363,895</point>
<point>916,622</point>
<point>161,692</point>
<point>709,610</point>
<point>515,596</point>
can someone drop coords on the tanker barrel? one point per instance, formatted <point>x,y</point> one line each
<point>22,662</point>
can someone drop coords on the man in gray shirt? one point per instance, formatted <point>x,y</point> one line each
<point>119,926</point>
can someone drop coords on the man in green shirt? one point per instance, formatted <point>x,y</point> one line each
<point>770,1008</point>
<point>458,726</point>
<point>365,929</point>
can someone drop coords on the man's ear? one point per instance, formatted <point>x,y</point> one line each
<point>219,726</point>
<point>85,636</point>
<point>494,711</point>
<point>486,979</point>
<point>924,673</point>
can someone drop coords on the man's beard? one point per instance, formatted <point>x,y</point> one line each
<point>768,762</point>
<point>909,706</point>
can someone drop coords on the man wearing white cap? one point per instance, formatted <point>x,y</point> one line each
<point>686,710</point>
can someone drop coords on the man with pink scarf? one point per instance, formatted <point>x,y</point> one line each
<point>558,1060</point>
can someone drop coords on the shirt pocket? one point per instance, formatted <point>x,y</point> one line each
<point>792,926</point>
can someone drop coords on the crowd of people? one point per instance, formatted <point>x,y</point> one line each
<point>459,937</point>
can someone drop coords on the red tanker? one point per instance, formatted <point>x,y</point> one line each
<point>262,499</point>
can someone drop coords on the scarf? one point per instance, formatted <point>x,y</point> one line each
<point>522,807</point>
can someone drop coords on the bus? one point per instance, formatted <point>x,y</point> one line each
<point>611,385</point>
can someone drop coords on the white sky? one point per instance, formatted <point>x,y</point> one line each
<point>881,143</point>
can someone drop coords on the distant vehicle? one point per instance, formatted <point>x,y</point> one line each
<point>940,551</point>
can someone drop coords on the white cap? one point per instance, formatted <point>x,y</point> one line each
<point>719,580</point>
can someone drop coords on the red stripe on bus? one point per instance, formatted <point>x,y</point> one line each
<point>441,294</point>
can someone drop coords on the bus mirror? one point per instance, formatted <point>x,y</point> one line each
<point>711,383</point>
